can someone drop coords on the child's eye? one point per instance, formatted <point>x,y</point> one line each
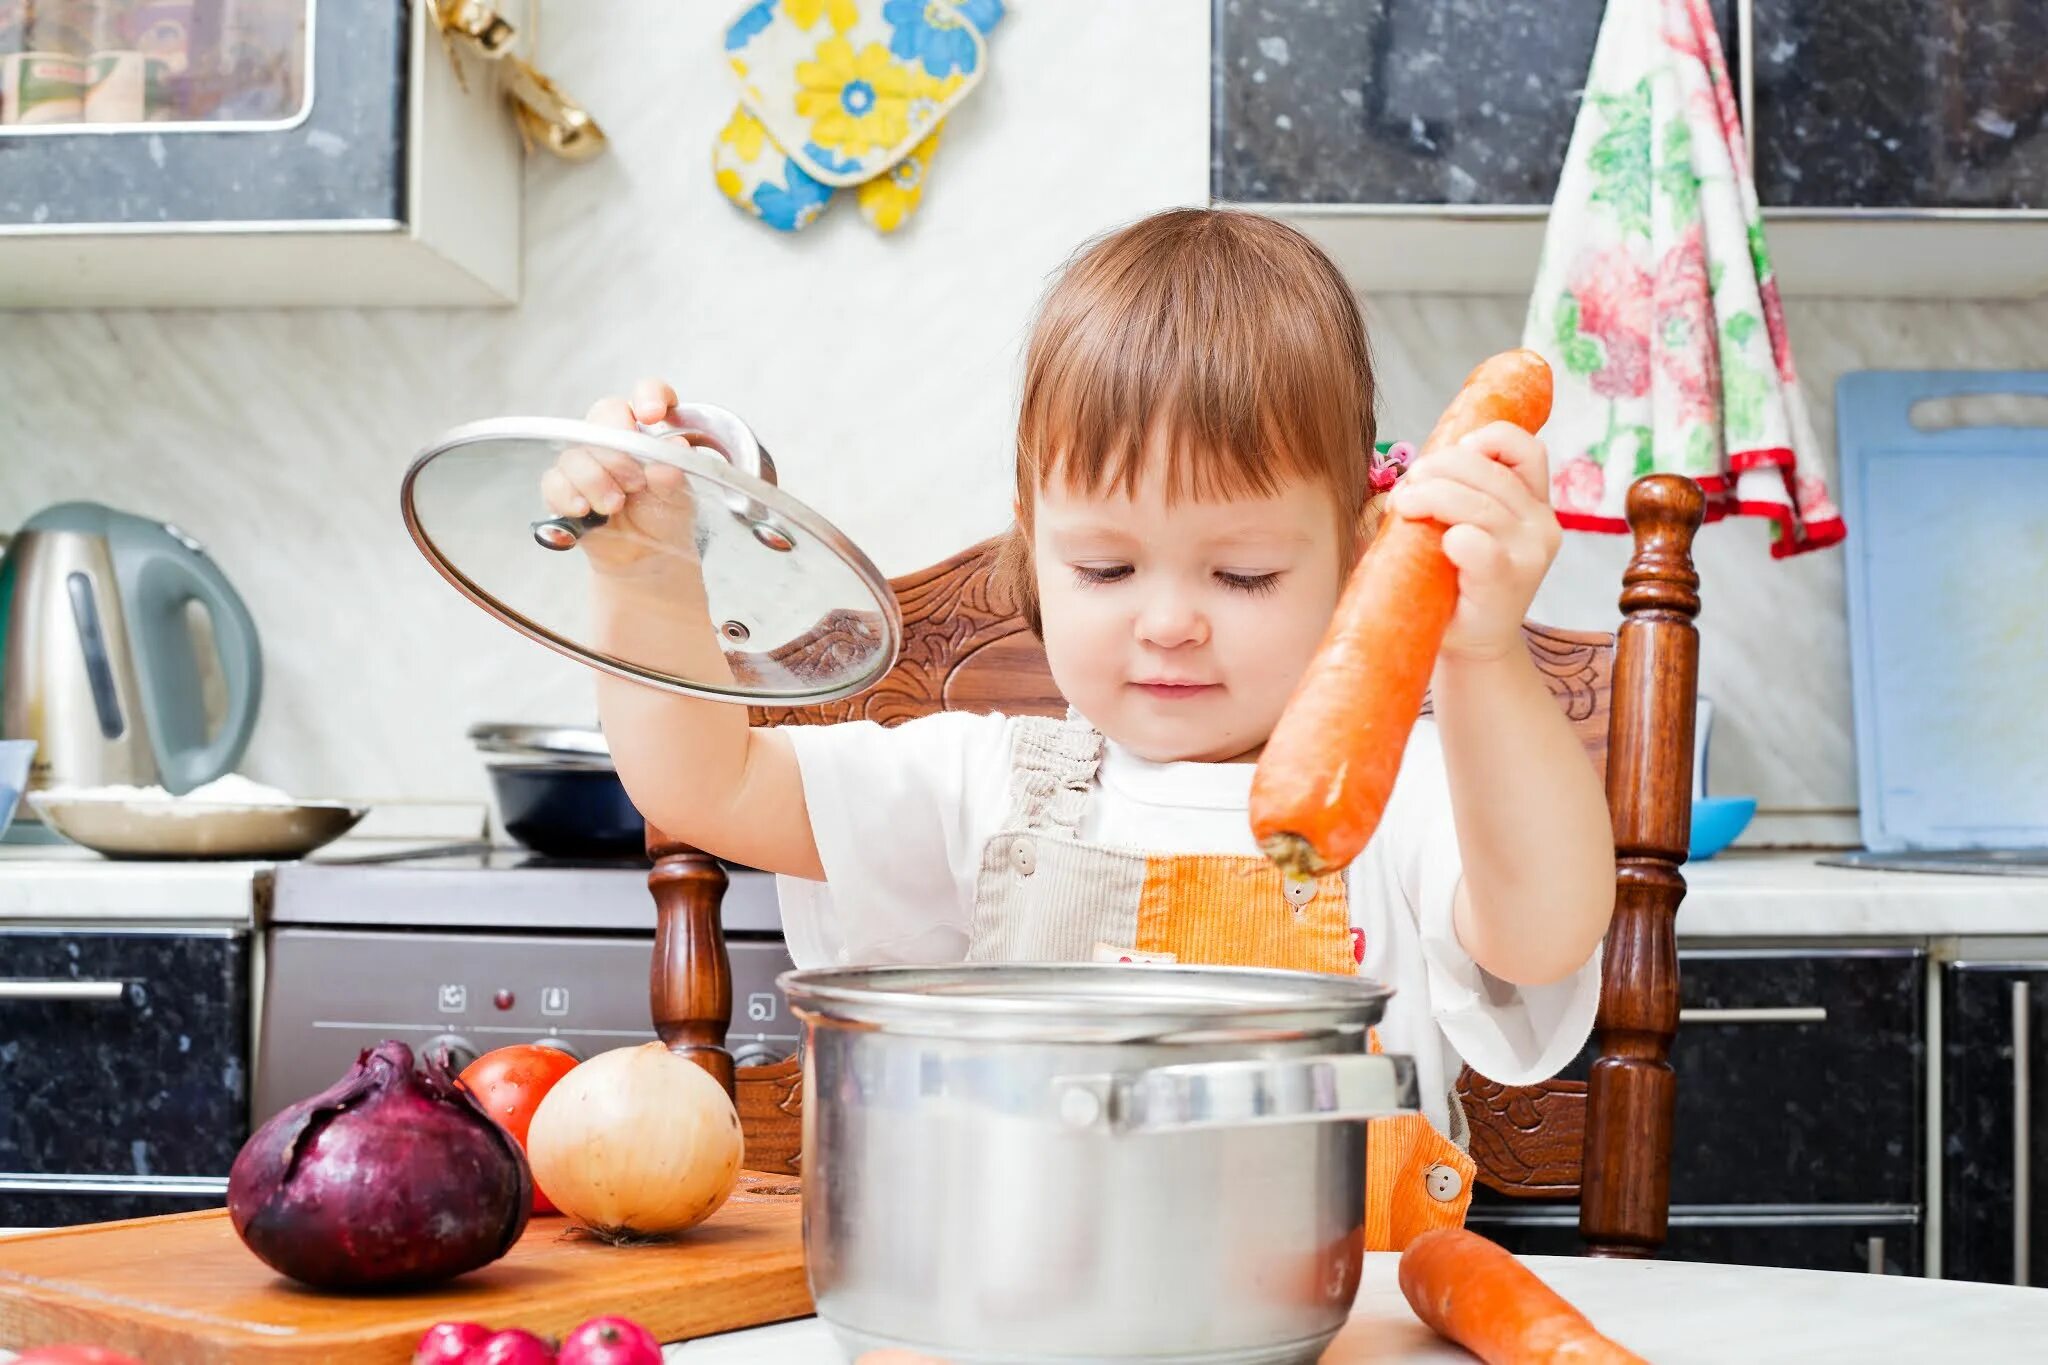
<point>1249,582</point>
<point>1095,575</point>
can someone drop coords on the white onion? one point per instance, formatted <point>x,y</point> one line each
<point>636,1143</point>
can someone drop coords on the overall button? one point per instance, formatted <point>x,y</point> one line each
<point>1299,892</point>
<point>1443,1183</point>
<point>1023,856</point>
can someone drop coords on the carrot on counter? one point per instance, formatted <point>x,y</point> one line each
<point>1475,1293</point>
<point>1328,768</point>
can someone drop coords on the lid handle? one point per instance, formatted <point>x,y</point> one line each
<point>715,429</point>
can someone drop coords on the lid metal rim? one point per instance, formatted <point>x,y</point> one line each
<point>688,458</point>
<point>810,990</point>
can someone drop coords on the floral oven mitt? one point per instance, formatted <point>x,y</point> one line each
<point>841,94</point>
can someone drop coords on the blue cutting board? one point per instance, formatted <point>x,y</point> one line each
<point>1948,613</point>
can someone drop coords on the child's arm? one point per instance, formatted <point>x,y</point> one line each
<point>1532,821</point>
<point>694,768</point>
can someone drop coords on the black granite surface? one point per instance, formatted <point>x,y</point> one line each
<point>1898,103</point>
<point>155,1084</point>
<point>1977,1110</point>
<point>45,1210</point>
<point>1796,1245</point>
<point>1820,1113</point>
<point>1399,101</point>
<point>345,162</point>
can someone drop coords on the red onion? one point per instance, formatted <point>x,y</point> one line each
<point>388,1177</point>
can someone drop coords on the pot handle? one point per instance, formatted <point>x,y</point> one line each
<point>1179,1099</point>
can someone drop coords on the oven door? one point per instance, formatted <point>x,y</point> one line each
<point>330,993</point>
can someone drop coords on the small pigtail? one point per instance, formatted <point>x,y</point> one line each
<point>1384,471</point>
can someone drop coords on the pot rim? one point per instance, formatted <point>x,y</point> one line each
<point>1087,1002</point>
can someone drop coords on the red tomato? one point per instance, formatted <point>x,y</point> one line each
<point>74,1355</point>
<point>509,1084</point>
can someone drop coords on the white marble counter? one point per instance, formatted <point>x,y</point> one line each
<point>1671,1312</point>
<point>1792,895</point>
<point>1737,895</point>
<point>64,882</point>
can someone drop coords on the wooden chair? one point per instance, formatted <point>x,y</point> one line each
<point>1630,697</point>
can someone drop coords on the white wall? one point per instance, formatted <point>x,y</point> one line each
<point>880,371</point>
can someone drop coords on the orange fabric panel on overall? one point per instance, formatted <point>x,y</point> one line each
<point>1231,911</point>
<point>1407,1166</point>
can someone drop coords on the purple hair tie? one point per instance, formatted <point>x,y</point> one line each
<point>1386,467</point>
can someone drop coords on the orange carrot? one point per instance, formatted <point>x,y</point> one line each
<point>1475,1293</point>
<point>1328,768</point>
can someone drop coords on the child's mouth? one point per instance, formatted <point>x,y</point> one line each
<point>1175,691</point>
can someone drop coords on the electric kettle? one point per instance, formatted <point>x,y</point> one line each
<point>98,660</point>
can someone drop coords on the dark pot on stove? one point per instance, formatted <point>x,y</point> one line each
<point>566,812</point>
<point>558,793</point>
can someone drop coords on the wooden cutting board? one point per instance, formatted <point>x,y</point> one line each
<point>183,1290</point>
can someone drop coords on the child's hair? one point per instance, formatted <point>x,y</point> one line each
<point>1230,333</point>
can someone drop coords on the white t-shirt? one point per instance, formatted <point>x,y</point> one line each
<point>901,816</point>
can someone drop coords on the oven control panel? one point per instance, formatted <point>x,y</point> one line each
<point>330,993</point>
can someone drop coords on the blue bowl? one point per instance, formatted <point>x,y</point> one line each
<point>1716,820</point>
<point>14,757</point>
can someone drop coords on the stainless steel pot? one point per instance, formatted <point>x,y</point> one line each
<point>1079,1162</point>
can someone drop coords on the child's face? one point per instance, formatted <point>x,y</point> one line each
<point>1180,629</point>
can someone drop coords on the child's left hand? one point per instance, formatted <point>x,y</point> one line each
<point>1492,490</point>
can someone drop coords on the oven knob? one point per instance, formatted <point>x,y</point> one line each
<point>455,1051</point>
<point>560,1045</point>
<point>757,1054</point>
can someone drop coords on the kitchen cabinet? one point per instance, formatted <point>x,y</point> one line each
<point>1900,146</point>
<point>393,177</point>
<point>124,1071</point>
<point>1798,1139</point>
<point>1994,1042</point>
<point>1394,102</point>
<point>1901,104</point>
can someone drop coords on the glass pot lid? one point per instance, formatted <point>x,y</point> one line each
<point>707,580</point>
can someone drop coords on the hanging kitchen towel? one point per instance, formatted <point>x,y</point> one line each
<point>845,94</point>
<point>1655,303</point>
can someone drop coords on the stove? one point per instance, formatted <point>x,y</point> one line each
<point>468,948</point>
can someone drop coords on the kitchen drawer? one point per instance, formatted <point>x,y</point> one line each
<point>61,1201</point>
<point>146,1076</point>
<point>1994,1039</point>
<point>1864,1240</point>
<point>1801,1077</point>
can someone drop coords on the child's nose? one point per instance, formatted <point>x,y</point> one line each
<point>1170,620</point>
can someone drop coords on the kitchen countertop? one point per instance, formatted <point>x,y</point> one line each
<point>1785,894</point>
<point>1672,1312</point>
<point>65,882</point>
<point>1740,894</point>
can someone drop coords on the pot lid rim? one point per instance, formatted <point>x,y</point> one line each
<point>704,464</point>
<point>1328,1000</point>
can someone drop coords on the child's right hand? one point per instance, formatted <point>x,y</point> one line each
<point>650,513</point>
